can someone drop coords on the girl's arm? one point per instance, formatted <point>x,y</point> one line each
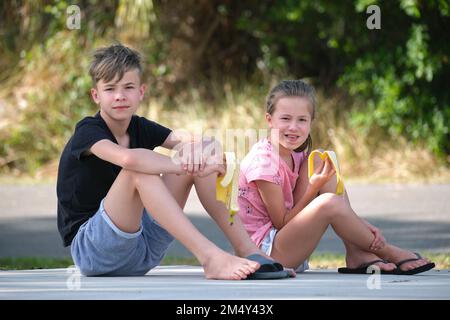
<point>273,199</point>
<point>307,189</point>
<point>272,194</point>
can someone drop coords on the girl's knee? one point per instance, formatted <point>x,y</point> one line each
<point>330,205</point>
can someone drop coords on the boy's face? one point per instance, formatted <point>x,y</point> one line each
<point>119,99</point>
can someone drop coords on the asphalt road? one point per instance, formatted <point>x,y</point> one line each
<point>416,217</point>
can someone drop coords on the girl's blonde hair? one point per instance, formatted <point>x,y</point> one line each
<point>293,88</point>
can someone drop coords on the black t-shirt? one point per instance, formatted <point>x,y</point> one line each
<point>83,181</point>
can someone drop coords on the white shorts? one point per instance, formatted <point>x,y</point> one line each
<point>266,247</point>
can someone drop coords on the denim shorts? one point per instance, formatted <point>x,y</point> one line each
<point>101,249</point>
<point>266,247</point>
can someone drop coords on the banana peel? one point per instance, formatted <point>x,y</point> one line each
<point>227,186</point>
<point>324,155</point>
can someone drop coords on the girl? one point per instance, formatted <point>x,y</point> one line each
<point>286,213</point>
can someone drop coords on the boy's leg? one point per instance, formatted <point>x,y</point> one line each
<point>206,191</point>
<point>132,191</point>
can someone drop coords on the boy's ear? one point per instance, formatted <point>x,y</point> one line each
<point>94,95</point>
<point>142,89</point>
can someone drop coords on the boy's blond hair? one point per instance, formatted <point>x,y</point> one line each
<point>112,61</point>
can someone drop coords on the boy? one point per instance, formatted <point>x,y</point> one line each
<point>116,210</point>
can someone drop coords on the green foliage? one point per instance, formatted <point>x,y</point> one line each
<point>58,95</point>
<point>396,78</point>
<point>398,75</point>
<point>401,87</point>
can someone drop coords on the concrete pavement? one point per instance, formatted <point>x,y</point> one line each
<point>188,283</point>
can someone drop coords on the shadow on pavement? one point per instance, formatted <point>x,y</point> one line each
<point>21,237</point>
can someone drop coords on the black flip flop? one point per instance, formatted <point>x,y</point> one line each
<point>269,269</point>
<point>364,268</point>
<point>417,270</point>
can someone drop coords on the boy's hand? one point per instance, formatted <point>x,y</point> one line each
<point>214,159</point>
<point>193,162</point>
<point>196,157</point>
<point>209,169</point>
<point>189,156</point>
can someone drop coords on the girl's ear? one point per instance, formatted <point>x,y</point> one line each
<point>94,95</point>
<point>269,119</point>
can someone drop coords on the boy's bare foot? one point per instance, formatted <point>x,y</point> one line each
<point>358,257</point>
<point>224,266</point>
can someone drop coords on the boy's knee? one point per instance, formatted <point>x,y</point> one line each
<point>138,178</point>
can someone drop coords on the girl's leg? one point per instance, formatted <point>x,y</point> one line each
<point>297,239</point>
<point>295,242</point>
<point>132,191</point>
<point>309,225</point>
<point>206,191</point>
<point>307,229</point>
<point>356,256</point>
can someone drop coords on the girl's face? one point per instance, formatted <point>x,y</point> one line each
<point>292,117</point>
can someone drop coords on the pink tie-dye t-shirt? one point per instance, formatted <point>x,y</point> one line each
<point>264,163</point>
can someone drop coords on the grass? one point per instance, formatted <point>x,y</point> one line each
<point>317,261</point>
<point>28,263</point>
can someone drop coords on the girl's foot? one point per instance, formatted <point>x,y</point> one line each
<point>224,266</point>
<point>399,255</point>
<point>357,257</point>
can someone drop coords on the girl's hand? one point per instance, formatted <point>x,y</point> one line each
<point>379,241</point>
<point>323,174</point>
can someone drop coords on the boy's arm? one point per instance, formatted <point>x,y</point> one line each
<point>172,141</point>
<point>139,159</point>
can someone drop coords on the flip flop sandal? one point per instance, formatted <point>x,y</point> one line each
<point>269,269</point>
<point>364,268</point>
<point>420,269</point>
